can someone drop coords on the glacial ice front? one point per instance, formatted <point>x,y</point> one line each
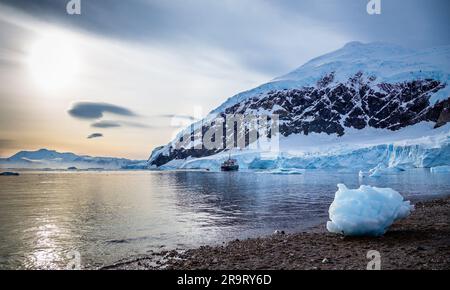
<point>419,146</point>
<point>367,211</point>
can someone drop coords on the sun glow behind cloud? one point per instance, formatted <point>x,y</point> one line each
<point>54,61</point>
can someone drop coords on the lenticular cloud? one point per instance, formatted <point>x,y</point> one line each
<point>367,211</point>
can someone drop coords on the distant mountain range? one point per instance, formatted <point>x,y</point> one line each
<point>51,159</point>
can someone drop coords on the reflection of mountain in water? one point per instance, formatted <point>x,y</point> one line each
<point>248,200</point>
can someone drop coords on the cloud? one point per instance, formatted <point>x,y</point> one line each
<point>6,144</point>
<point>105,124</point>
<point>170,116</point>
<point>95,135</point>
<point>269,36</point>
<point>135,124</point>
<point>91,110</point>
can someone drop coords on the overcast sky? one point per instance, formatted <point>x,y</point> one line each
<point>136,65</point>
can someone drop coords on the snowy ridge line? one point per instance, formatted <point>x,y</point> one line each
<point>389,62</point>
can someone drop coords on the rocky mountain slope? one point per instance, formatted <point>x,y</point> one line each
<point>364,90</point>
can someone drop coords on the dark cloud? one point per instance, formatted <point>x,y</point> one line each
<point>95,135</point>
<point>268,36</point>
<point>135,124</point>
<point>170,116</point>
<point>89,110</point>
<point>105,124</point>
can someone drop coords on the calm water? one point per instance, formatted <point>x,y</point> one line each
<point>111,216</point>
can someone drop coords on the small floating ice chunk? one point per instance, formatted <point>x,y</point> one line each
<point>287,171</point>
<point>440,169</point>
<point>362,174</point>
<point>367,211</point>
<point>377,171</point>
<point>383,170</point>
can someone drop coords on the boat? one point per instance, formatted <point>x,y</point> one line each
<point>230,165</point>
<point>9,174</point>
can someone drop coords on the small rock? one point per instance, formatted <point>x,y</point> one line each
<point>420,248</point>
<point>325,261</point>
<point>278,232</point>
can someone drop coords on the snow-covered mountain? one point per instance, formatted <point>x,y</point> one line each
<point>45,158</point>
<point>359,97</point>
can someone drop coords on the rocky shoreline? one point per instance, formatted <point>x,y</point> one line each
<point>420,242</point>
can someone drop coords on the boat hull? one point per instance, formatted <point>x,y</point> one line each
<point>230,168</point>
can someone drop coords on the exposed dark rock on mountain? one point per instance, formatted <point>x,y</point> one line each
<point>355,104</point>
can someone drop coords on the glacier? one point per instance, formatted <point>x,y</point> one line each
<point>366,156</point>
<point>367,211</point>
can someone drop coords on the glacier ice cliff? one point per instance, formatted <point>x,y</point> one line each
<point>427,152</point>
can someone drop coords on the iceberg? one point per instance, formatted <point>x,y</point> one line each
<point>367,211</point>
<point>440,169</point>
<point>381,169</point>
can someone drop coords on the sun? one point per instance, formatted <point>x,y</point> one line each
<point>53,61</point>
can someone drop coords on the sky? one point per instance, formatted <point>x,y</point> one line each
<point>124,76</point>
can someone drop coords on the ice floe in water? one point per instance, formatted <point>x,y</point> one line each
<point>286,171</point>
<point>367,211</point>
<point>440,169</point>
<point>381,169</point>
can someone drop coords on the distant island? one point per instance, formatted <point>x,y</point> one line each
<point>51,159</point>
